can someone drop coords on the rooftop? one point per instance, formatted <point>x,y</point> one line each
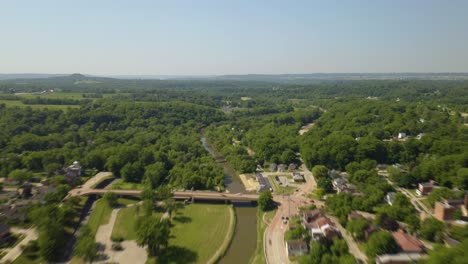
<point>407,242</point>
<point>402,257</point>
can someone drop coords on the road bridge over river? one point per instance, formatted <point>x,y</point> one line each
<point>215,196</point>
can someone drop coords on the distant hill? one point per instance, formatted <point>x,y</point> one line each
<point>55,80</point>
<point>305,78</point>
<point>8,76</point>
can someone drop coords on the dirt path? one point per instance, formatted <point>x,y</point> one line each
<point>305,128</point>
<point>227,240</point>
<point>131,252</point>
<point>30,234</point>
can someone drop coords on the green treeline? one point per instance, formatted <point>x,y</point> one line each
<point>156,142</point>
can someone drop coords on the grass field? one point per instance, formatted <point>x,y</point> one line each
<point>200,234</point>
<point>100,215</point>
<point>124,226</point>
<point>121,185</point>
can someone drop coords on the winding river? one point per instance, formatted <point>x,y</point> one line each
<point>244,241</point>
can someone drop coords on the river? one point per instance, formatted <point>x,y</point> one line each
<point>243,243</point>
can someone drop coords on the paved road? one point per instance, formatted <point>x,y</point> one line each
<point>275,248</point>
<point>96,179</point>
<point>178,194</point>
<point>30,234</point>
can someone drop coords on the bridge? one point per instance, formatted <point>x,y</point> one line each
<point>180,195</point>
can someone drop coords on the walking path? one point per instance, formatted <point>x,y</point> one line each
<point>131,253</point>
<point>30,234</point>
<point>352,245</point>
<point>93,181</point>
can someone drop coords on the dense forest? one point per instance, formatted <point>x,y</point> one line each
<point>136,141</point>
<point>149,132</point>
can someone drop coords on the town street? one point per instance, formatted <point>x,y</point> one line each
<point>275,249</point>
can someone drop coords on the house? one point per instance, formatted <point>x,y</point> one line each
<point>309,217</point>
<point>273,166</point>
<point>347,188</point>
<point>424,188</point>
<point>4,233</point>
<point>333,173</point>
<point>327,227</point>
<point>401,258</point>
<point>297,177</point>
<point>390,197</point>
<point>381,167</point>
<point>445,210</point>
<point>296,248</point>
<point>408,243</point>
<point>73,172</point>
<point>321,227</point>
<point>292,167</point>
<point>338,182</point>
<point>401,135</point>
<point>282,167</point>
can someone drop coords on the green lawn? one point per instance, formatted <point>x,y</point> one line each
<point>199,231</point>
<point>121,185</point>
<point>124,226</point>
<point>100,215</point>
<point>280,189</point>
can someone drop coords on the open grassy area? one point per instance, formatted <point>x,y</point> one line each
<point>280,189</point>
<point>121,185</point>
<point>259,256</point>
<point>201,234</point>
<point>17,103</point>
<point>100,215</point>
<point>124,226</point>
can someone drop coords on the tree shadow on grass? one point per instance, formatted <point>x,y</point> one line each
<point>177,255</point>
<point>182,219</point>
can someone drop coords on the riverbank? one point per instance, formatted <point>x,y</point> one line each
<point>201,233</point>
<point>243,242</point>
<point>263,220</point>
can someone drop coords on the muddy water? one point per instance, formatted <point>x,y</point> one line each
<point>245,236</point>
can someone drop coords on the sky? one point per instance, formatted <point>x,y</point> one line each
<point>137,37</point>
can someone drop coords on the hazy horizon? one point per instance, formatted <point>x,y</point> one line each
<point>213,38</point>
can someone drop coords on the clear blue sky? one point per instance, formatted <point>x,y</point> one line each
<point>232,37</point>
